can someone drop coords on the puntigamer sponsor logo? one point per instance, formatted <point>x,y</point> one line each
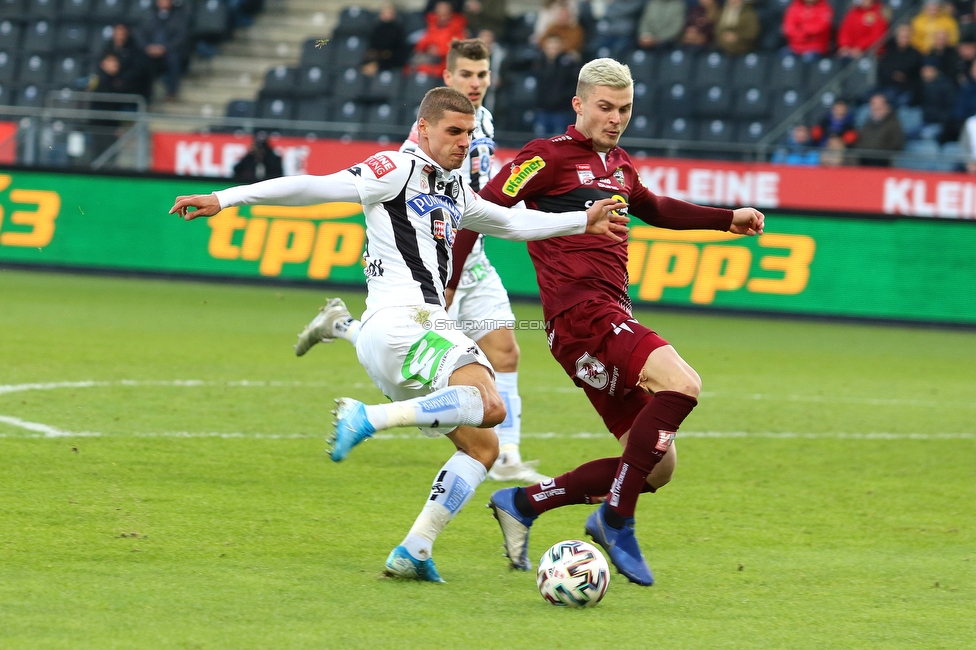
<point>521,174</point>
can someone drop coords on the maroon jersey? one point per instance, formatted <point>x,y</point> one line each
<point>564,173</point>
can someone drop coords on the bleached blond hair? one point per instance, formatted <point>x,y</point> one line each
<point>603,72</point>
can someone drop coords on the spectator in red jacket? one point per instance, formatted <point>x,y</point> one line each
<point>443,26</point>
<point>863,26</point>
<point>808,25</point>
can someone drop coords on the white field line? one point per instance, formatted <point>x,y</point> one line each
<point>40,430</point>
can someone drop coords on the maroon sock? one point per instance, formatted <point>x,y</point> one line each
<point>649,440</point>
<point>580,485</point>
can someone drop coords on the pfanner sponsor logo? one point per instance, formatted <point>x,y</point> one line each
<point>424,204</point>
<point>521,175</point>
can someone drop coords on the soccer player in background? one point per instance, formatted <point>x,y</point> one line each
<point>636,381</point>
<point>480,299</point>
<point>436,377</point>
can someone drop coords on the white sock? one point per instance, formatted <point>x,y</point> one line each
<point>452,489</point>
<point>508,454</point>
<point>348,330</point>
<point>510,431</point>
<point>453,406</point>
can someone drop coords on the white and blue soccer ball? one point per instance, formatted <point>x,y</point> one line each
<point>573,574</point>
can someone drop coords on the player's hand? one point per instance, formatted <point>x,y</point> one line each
<point>206,205</point>
<point>603,218</point>
<point>747,221</point>
<point>448,296</point>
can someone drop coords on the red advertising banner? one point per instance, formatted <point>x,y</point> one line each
<point>842,189</point>
<point>8,143</point>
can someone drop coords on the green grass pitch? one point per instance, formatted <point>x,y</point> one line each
<point>164,484</point>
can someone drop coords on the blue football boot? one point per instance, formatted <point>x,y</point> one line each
<point>515,527</point>
<point>401,564</point>
<point>621,545</point>
<point>351,427</point>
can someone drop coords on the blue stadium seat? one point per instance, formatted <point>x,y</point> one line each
<point>642,126</point>
<point>717,131</point>
<point>6,94</point>
<point>10,35</point>
<point>34,69</point>
<point>416,86</point>
<point>712,102</point>
<point>109,11</point>
<point>751,132</point>
<point>675,67</point>
<point>76,10</point>
<point>674,100</point>
<point>712,69</point>
<point>785,104</point>
<point>241,108</point>
<point>346,52</point>
<point>13,10</point>
<point>139,11</point>
<point>751,70</point>
<point>384,87</point>
<point>355,21</point>
<point>680,129</point>
<point>72,37</point>
<point>349,112</point>
<point>211,21</point>
<point>644,99</point>
<point>788,71</point>
<point>315,54</point>
<point>39,37</point>
<point>314,81</point>
<point>821,72</point>
<point>42,9</point>
<point>313,109</point>
<point>68,70</point>
<point>8,67</point>
<point>857,86</point>
<point>277,107</point>
<point>31,95</point>
<point>751,104</point>
<point>281,80</point>
<point>384,122</point>
<point>349,85</point>
<point>642,66</point>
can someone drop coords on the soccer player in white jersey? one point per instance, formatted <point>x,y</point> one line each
<point>436,377</point>
<point>480,303</point>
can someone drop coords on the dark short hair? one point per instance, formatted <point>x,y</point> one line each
<point>470,48</point>
<point>439,100</point>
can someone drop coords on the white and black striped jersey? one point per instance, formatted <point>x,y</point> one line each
<point>477,169</point>
<point>413,209</point>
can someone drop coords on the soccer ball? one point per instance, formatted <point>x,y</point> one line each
<point>573,574</point>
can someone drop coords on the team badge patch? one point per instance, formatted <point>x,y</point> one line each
<point>521,174</point>
<point>380,164</point>
<point>585,174</point>
<point>619,175</point>
<point>592,371</point>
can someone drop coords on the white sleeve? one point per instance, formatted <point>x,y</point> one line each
<point>519,224</point>
<point>379,178</point>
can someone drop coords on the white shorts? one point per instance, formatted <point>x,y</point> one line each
<point>411,351</point>
<point>482,307</point>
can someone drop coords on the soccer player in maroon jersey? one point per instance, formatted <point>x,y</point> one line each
<point>636,381</point>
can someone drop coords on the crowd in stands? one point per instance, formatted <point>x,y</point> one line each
<point>110,46</point>
<point>925,60</point>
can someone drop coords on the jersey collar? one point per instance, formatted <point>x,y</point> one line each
<point>582,139</point>
<point>443,173</point>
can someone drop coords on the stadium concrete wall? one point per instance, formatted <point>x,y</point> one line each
<point>880,267</point>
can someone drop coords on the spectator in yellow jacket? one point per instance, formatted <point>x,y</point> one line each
<point>935,16</point>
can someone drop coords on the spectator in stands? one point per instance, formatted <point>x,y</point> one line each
<point>112,78</point>
<point>443,26</point>
<point>799,149</point>
<point>737,29</point>
<point>965,100</point>
<point>935,16</point>
<point>943,55</point>
<point>807,26</point>
<point>163,37</point>
<point>967,26</point>
<point>457,6</point>
<point>700,24</point>
<point>899,70</point>
<point>557,74</point>
<point>547,15</point>
<point>863,26</point>
<point>967,140</point>
<point>838,122</point>
<point>617,32</point>
<point>260,163</point>
<point>661,23</point>
<point>937,100</point>
<point>133,66</point>
<point>881,132</point>
<point>833,154</point>
<point>566,27</point>
<point>386,47</point>
<point>966,56</point>
<point>486,14</point>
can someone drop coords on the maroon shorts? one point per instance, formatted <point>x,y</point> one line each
<point>603,348</point>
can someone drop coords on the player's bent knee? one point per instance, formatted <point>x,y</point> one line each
<point>495,412</point>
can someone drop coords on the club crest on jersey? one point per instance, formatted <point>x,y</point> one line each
<point>441,230</point>
<point>521,174</point>
<point>424,204</point>
<point>585,173</point>
<point>380,164</point>
<point>592,371</point>
<point>619,175</point>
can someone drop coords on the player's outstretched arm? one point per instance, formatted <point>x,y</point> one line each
<point>747,221</point>
<point>520,224</point>
<point>204,205</point>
